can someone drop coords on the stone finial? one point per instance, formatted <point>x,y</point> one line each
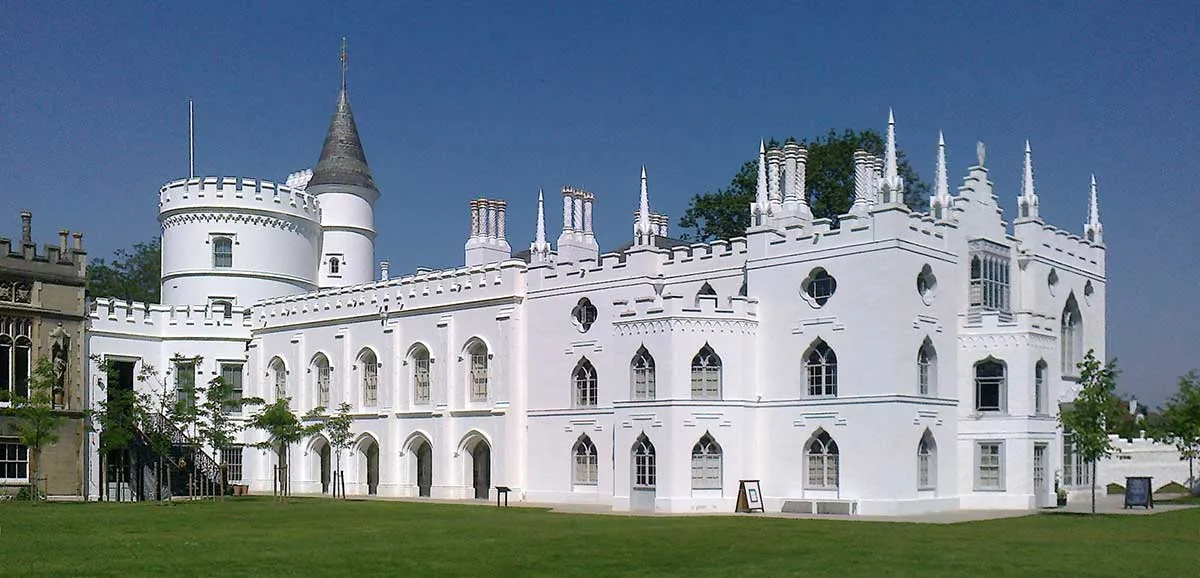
<point>26,228</point>
<point>1092,230</point>
<point>939,203</point>
<point>893,186</point>
<point>761,194</point>
<point>1027,204</point>
<point>384,270</point>
<point>980,153</point>
<point>644,229</point>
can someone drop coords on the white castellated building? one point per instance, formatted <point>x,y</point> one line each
<point>896,362</point>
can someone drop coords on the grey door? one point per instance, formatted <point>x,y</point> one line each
<point>424,470</point>
<point>481,458</point>
<point>1041,492</point>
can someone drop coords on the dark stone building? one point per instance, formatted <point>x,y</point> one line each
<point>42,314</point>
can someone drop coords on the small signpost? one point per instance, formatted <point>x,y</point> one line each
<point>1138,492</point>
<point>502,491</point>
<point>749,498</point>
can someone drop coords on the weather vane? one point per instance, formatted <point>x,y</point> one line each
<point>345,56</point>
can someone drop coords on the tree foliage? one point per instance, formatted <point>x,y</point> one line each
<point>131,275</point>
<point>283,429</point>
<point>337,429</point>
<point>1087,418</point>
<point>37,422</point>
<point>829,186</point>
<point>1179,424</point>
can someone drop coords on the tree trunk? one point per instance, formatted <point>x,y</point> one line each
<point>1093,487</point>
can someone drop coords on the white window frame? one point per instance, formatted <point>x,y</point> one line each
<point>324,378</point>
<point>369,368</point>
<point>820,370</point>
<point>1076,472</point>
<point>1001,384</point>
<point>478,371</point>
<point>584,380</point>
<point>223,259</point>
<point>989,466</point>
<point>642,370</point>
<point>232,373</point>
<point>706,374</point>
<point>927,369</point>
<point>421,375</point>
<point>926,463</point>
<point>586,465</point>
<point>706,464</point>
<point>185,371</point>
<point>16,349</point>
<point>14,461</point>
<point>819,287</point>
<point>1039,387</point>
<point>584,315</point>
<point>990,274</point>
<point>278,371</point>
<point>645,474</point>
<point>822,459</point>
<point>233,458</point>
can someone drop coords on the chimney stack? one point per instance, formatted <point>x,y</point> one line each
<point>487,243</point>
<point>26,228</point>
<point>383,270</point>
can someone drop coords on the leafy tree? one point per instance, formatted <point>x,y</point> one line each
<point>216,424</point>
<point>283,429</point>
<point>37,421</point>
<point>116,419</point>
<point>132,275</point>
<point>1086,419</point>
<point>1179,424</point>
<point>337,429</point>
<point>829,186</point>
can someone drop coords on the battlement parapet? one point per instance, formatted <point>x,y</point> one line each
<point>671,305</point>
<point>423,289</point>
<point>236,193</point>
<point>64,262</point>
<point>119,315</point>
<point>1040,239</point>
<point>642,261</point>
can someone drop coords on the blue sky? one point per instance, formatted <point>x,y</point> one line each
<point>499,99</point>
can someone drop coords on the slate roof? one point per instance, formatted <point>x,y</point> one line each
<point>343,161</point>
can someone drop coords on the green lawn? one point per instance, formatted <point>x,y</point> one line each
<point>256,537</point>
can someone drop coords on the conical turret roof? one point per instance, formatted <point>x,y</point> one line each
<point>343,161</point>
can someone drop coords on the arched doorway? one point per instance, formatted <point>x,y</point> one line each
<point>481,469</point>
<point>326,467</point>
<point>320,467</point>
<point>368,472</point>
<point>423,456</point>
<point>645,475</point>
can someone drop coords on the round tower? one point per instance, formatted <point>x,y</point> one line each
<point>234,240</point>
<point>343,183</point>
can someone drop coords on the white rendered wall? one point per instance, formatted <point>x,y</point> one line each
<point>348,223</point>
<point>275,232</point>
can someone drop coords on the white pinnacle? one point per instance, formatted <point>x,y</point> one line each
<point>644,208</point>
<point>760,191</point>
<point>1027,183</point>
<point>891,174</point>
<point>540,241</point>
<point>1094,206</point>
<point>941,179</point>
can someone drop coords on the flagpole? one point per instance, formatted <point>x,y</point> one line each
<point>191,141</point>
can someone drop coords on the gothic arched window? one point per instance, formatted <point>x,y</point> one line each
<point>706,374</point>
<point>706,464</point>
<point>584,380</point>
<point>642,368</point>
<point>822,454</point>
<point>820,366</point>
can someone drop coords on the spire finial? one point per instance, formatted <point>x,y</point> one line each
<point>644,211</point>
<point>1028,202</point>
<point>540,249</point>
<point>891,168</point>
<point>760,190</point>
<point>344,58</point>
<point>1092,229</point>
<point>941,178</point>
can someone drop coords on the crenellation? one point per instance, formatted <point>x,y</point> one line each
<point>176,194</point>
